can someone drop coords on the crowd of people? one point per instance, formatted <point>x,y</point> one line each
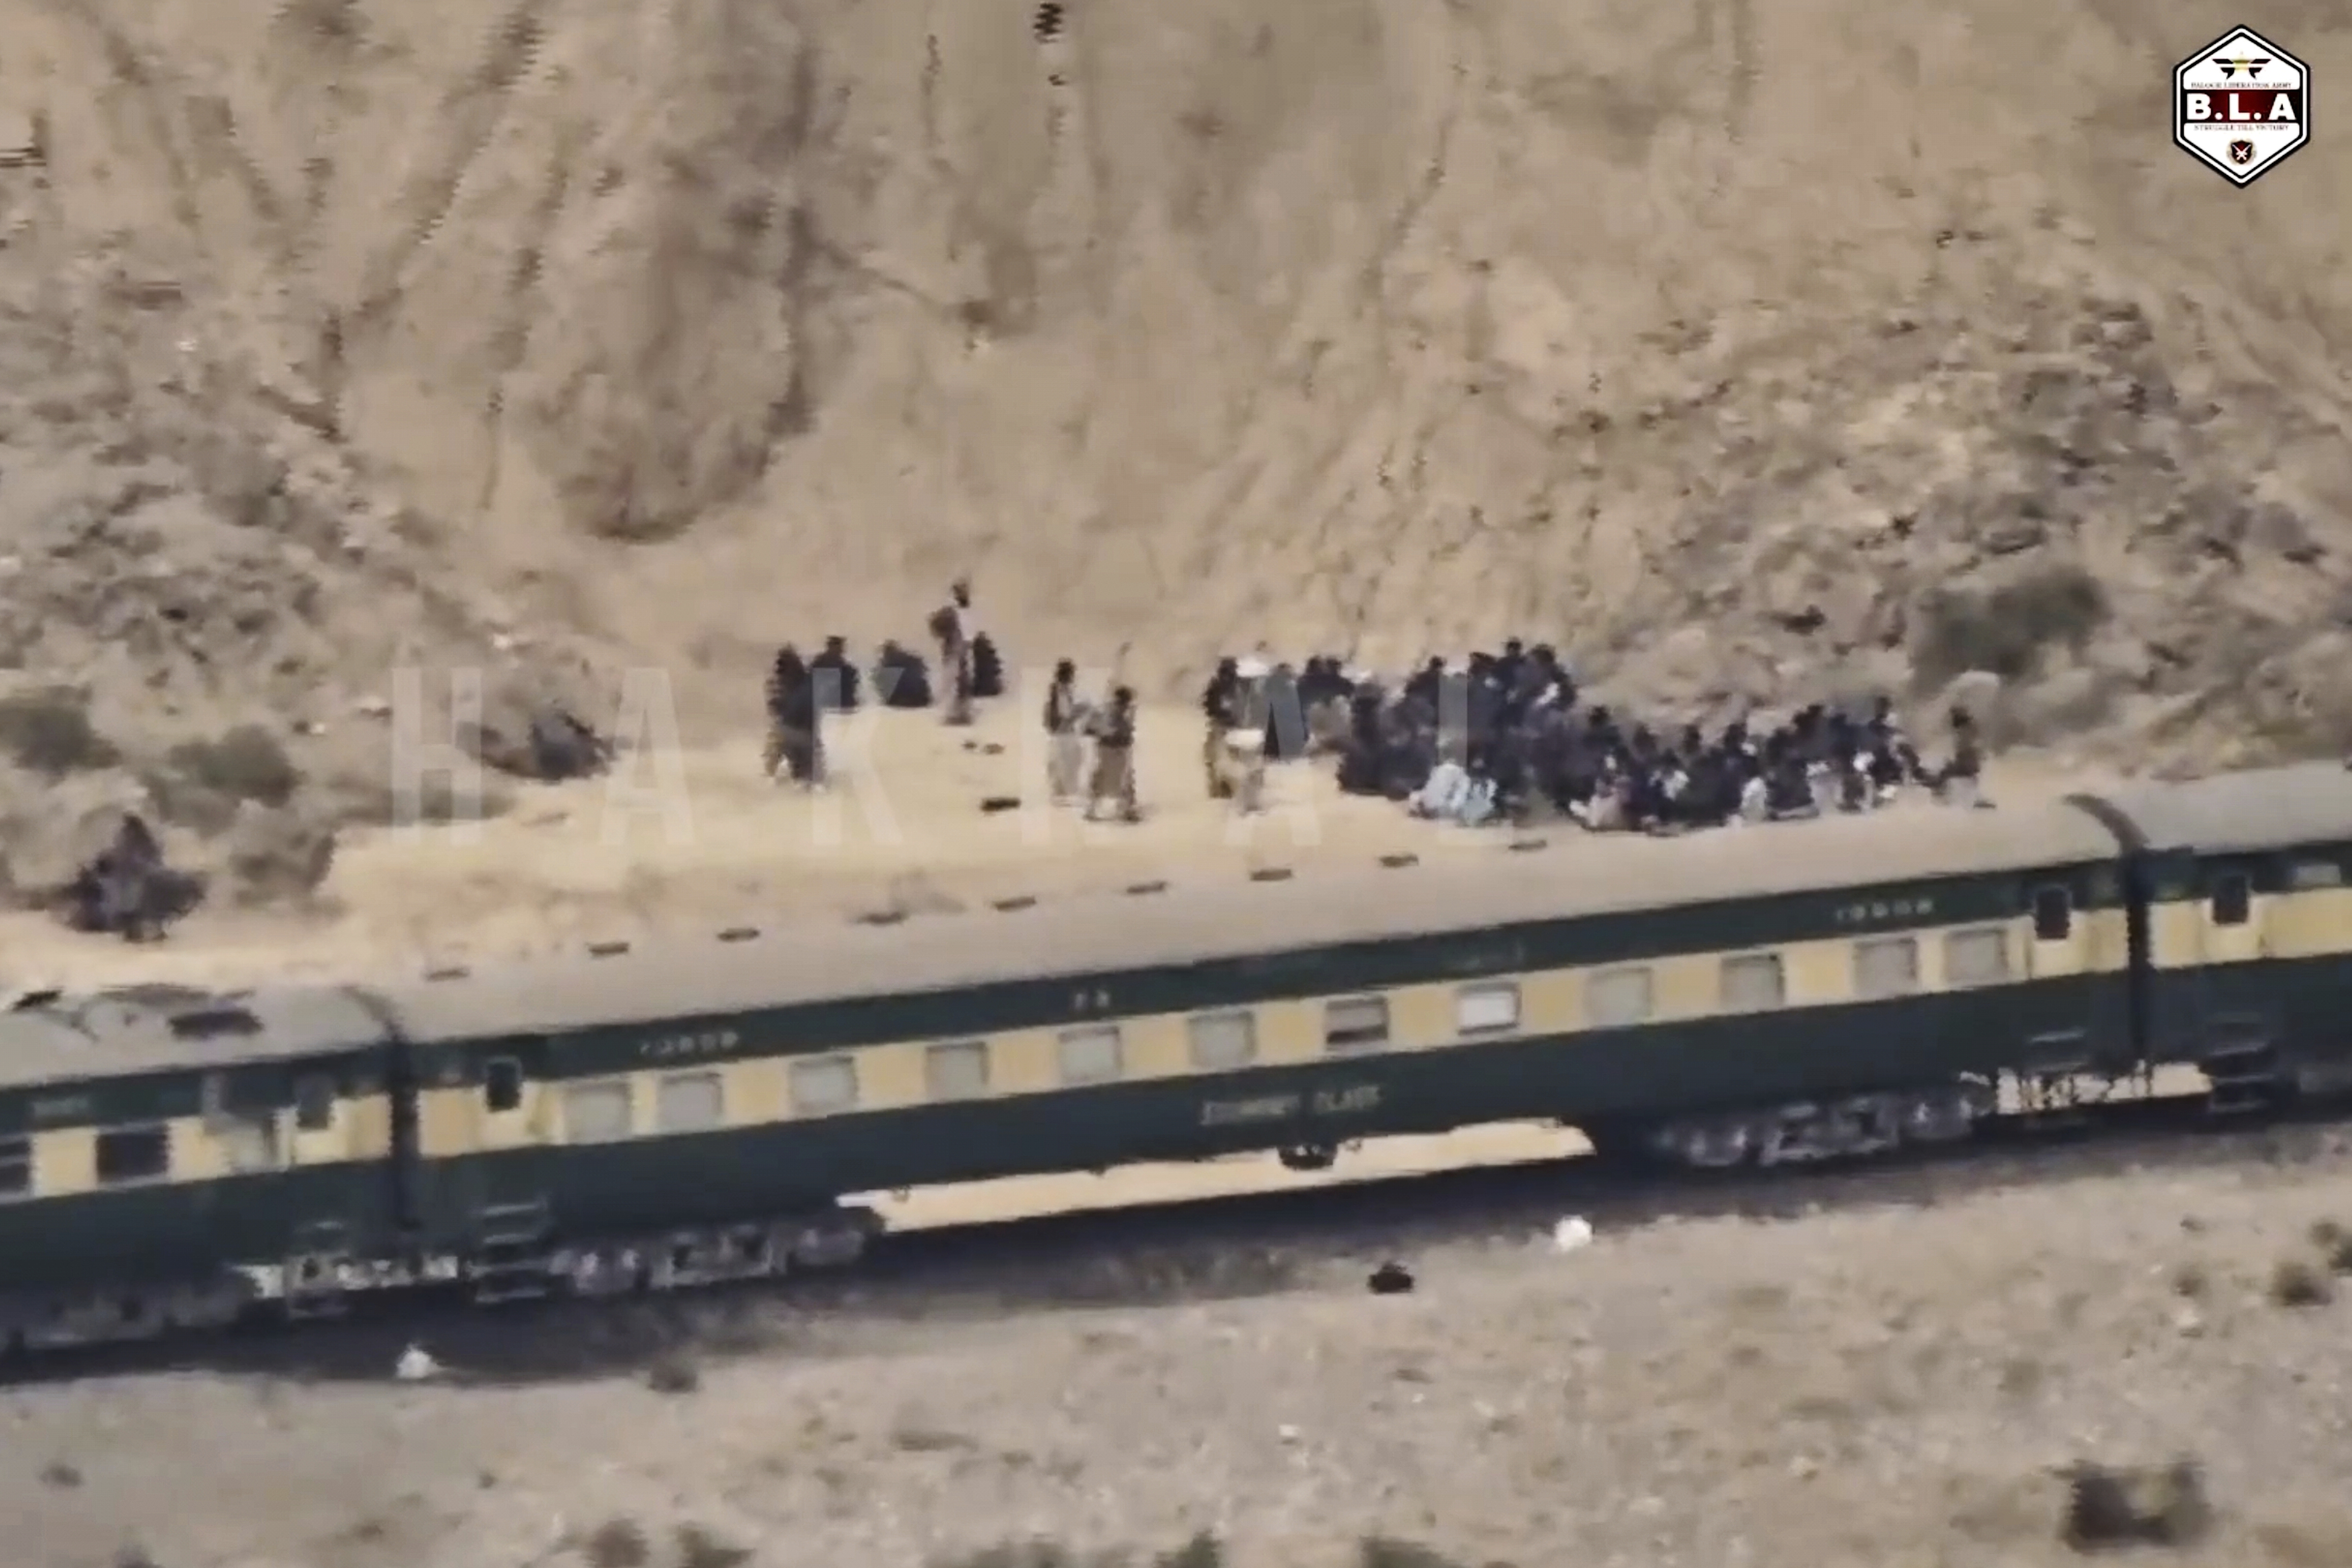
<point>802,692</point>
<point>1502,737</point>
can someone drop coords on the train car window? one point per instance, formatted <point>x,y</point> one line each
<point>1355,1023</point>
<point>2054,914</point>
<point>1885,966</point>
<point>1491,1008</point>
<point>957,1070</point>
<point>1754,981</point>
<point>1978,957</point>
<point>823,1084</point>
<point>133,1155</point>
<point>314,1103</point>
<point>2234,899</point>
<point>596,1113</point>
<point>1221,1042</point>
<point>1094,1054</point>
<point>15,1167</point>
<point>691,1102</point>
<point>1615,997</point>
<point>2310,874</point>
<point>502,1085</point>
<point>247,1139</point>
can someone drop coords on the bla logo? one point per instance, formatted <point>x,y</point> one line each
<point>2241,106</point>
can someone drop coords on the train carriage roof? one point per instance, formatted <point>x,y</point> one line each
<point>1456,887</point>
<point>2243,813</point>
<point>131,1030</point>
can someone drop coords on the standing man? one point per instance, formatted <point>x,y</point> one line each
<point>1065,738</point>
<point>955,625</point>
<point>1114,776</point>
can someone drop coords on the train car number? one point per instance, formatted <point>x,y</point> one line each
<point>708,1043</point>
<point>1352,1099</point>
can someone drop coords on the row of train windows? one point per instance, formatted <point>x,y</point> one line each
<point>1227,1042</point>
<point>125,1155</point>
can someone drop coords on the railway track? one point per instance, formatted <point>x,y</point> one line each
<point>1218,1248</point>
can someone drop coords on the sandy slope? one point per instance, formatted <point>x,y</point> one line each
<point>1362,324</point>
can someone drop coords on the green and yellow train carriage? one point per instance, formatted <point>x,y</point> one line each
<point>1809,989</point>
<point>674,1114</point>
<point>2242,907</point>
<point>152,1138</point>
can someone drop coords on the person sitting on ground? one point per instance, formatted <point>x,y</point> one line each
<point>901,679</point>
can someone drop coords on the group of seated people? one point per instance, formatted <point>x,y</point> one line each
<point>1503,738</point>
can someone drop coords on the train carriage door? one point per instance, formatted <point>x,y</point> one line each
<point>322,1127</point>
<point>2058,942</point>
<point>2169,992</point>
<point>2238,1048</point>
<point>508,1101</point>
<point>2231,914</point>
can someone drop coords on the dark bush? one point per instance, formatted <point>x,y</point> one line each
<point>2108,1508</point>
<point>2007,629</point>
<point>245,764</point>
<point>49,731</point>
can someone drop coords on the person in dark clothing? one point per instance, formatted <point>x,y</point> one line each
<point>1219,698</point>
<point>901,679</point>
<point>126,889</point>
<point>987,669</point>
<point>1957,782</point>
<point>836,678</point>
<point>794,738</point>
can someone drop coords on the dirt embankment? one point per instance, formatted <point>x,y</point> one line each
<point>335,335</point>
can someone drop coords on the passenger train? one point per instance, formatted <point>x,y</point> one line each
<point>646,1117</point>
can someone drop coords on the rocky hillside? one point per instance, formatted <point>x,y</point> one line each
<point>1747,350</point>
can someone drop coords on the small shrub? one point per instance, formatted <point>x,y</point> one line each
<point>2297,1283</point>
<point>1017,1554</point>
<point>616,1543</point>
<point>1204,1550</point>
<point>928,1440</point>
<point>698,1548</point>
<point>245,764</point>
<point>2326,1233</point>
<point>2190,1281</point>
<point>2007,629</point>
<point>672,1374</point>
<point>134,1556</point>
<point>2339,1255</point>
<point>61,1474</point>
<point>1381,1552</point>
<point>49,731</point>
<point>2108,1508</point>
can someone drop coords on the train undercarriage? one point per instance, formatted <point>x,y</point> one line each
<point>513,1265</point>
<point>2235,1082</point>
